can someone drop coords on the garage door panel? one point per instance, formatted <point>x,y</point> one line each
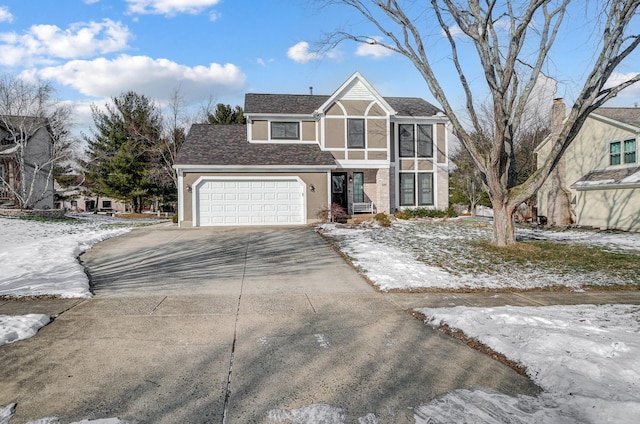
<point>250,202</point>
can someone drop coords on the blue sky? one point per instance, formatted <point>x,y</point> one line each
<point>92,50</point>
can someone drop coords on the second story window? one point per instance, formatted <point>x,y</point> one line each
<point>416,141</point>
<point>630,151</point>
<point>285,130</point>
<point>355,133</point>
<point>622,152</point>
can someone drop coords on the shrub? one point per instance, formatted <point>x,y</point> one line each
<point>426,213</point>
<point>338,213</point>
<point>174,218</point>
<point>382,219</point>
<point>451,212</point>
<point>402,215</point>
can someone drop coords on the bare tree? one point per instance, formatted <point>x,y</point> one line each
<point>29,116</point>
<point>512,41</point>
<point>176,125</point>
<point>465,181</point>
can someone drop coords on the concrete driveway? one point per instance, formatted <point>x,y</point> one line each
<point>233,325</point>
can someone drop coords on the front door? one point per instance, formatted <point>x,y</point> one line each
<point>339,189</point>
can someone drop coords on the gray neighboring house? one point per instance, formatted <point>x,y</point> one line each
<point>298,154</point>
<point>598,178</point>
<point>37,155</point>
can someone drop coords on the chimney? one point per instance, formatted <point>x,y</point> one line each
<point>558,113</point>
<point>311,90</point>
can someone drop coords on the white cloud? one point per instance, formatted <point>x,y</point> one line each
<point>373,49</point>
<point>169,7</point>
<point>618,78</point>
<point>44,43</point>
<point>91,1</point>
<point>300,53</point>
<point>264,62</point>
<point>153,77</point>
<point>5,15</point>
<point>454,30</point>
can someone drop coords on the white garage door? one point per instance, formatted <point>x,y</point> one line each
<point>250,202</point>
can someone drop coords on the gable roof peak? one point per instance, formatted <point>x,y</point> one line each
<point>356,87</point>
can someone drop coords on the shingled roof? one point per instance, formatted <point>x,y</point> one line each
<point>609,176</point>
<point>306,104</point>
<point>626,115</point>
<point>210,144</point>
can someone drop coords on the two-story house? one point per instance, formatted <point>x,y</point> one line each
<point>26,177</point>
<point>298,154</point>
<point>598,177</point>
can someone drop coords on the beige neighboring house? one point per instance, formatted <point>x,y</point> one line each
<point>76,197</point>
<point>599,173</point>
<point>37,181</point>
<point>298,154</point>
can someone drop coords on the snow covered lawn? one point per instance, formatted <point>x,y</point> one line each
<point>41,257</point>
<point>585,357</point>
<point>414,255</point>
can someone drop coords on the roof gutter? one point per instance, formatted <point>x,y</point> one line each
<point>254,168</point>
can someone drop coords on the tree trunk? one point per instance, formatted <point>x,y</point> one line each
<point>504,230</point>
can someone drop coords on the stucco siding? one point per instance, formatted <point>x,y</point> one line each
<point>308,130</point>
<point>377,155</point>
<point>355,107</point>
<point>609,209</point>
<point>376,110</point>
<point>377,133</point>
<point>407,164</point>
<point>355,154</point>
<point>425,165</point>
<point>260,130</point>
<point>335,110</point>
<point>334,133</point>
<point>603,207</point>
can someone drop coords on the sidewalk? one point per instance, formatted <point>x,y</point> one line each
<point>534,298</point>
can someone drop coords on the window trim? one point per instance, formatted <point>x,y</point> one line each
<point>350,144</point>
<point>285,137</point>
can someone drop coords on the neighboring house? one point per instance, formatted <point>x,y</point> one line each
<point>74,195</point>
<point>599,174</point>
<point>298,154</point>
<point>35,184</point>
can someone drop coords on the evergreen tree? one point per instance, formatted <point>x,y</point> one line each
<point>223,114</point>
<point>122,153</point>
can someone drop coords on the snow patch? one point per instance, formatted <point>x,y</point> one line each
<point>20,327</point>
<point>586,357</point>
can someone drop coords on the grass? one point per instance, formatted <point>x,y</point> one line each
<point>542,258</point>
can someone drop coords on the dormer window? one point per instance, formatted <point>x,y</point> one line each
<point>285,131</point>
